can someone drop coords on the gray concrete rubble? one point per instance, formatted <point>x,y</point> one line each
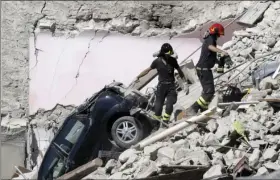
<point>196,145</point>
<point>199,144</point>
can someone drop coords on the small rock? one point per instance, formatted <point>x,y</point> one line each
<point>271,42</point>
<point>268,83</point>
<point>246,52</point>
<point>254,158</point>
<point>117,175</point>
<point>167,152</point>
<point>262,171</point>
<point>270,154</point>
<point>110,165</point>
<point>217,158</point>
<point>126,155</point>
<point>180,153</point>
<point>241,33</point>
<point>272,166</point>
<point>213,171</point>
<point>257,143</point>
<point>129,162</point>
<point>194,135</point>
<point>100,173</point>
<point>181,144</point>
<point>146,170</point>
<point>210,139</point>
<point>152,150</point>
<point>46,24</point>
<point>269,124</point>
<point>190,129</point>
<point>260,47</point>
<point>197,157</point>
<point>229,157</point>
<point>228,45</point>
<point>212,125</point>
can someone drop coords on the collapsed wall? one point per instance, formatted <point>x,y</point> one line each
<point>22,19</point>
<point>204,145</point>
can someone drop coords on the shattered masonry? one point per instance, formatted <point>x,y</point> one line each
<point>20,20</point>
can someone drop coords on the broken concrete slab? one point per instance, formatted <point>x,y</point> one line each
<point>270,154</point>
<point>262,171</point>
<point>100,173</point>
<point>254,13</point>
<point>127,154</point>
<point>198,157</point>
<point>212,125</point>
<point>272,166</point>
<point>254,158</point>
<point>215,170</point>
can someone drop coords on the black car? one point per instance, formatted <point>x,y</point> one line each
<point>110,121</point>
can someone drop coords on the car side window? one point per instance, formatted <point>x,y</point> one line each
<point>56,160</point>
<point>75,132</point>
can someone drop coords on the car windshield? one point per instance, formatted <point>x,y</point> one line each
<point>57,158</point>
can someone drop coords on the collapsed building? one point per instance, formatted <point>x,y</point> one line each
<point>199,144</point>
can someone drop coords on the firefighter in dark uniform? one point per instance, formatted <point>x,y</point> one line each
<point>165,63</point>
<point>207,60</point>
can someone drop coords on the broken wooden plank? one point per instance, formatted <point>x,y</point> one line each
<point>83,170</point>
<point>254,13</point>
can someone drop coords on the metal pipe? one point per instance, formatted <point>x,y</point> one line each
<point>174,129</point>
<point>238,103</point>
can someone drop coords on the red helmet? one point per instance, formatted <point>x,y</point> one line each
<point>217,29</point>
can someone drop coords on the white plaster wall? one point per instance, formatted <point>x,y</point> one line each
<point>97,58</point>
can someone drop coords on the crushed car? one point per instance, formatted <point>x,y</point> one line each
<point>106,124</point>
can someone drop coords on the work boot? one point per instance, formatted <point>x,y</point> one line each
<point>166,118</point>
<point>157,117</point>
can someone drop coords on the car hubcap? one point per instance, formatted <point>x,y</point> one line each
<point>126,131</point>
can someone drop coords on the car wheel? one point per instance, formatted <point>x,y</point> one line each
<point>127,131</point>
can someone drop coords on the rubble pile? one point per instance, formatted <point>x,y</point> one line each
<point>200,144</point>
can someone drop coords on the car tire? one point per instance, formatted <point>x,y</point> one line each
<point>123,137</point>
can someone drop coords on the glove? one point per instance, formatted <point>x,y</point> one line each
<point>186,88</point>
<point>228,61</point>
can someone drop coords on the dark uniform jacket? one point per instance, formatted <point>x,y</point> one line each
<point>165,69</point>
<point>207,58</point>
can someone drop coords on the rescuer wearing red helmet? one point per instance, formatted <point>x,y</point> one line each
<point>207,60</point>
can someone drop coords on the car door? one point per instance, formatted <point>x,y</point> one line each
<point>56,161</point>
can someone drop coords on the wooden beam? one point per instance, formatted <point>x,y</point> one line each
<point>254,14</point>
<point>83,170</point>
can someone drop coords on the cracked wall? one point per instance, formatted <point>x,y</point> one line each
<point>67,71</point>
<point>146,18</point>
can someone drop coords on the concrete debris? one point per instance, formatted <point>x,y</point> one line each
<point>126,155</point>
<point>262,171</point>
<point>212,126</point>
<point>193,145</point>
<point>100,173</point>
<point>213,171</point>
<point>254,158</point>
<point>270,154</point>
<point>272,166</point>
